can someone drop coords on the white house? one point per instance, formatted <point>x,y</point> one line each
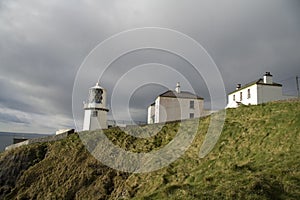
<point>257,92</point>
<point>95,111</point>
<point>175,105</point>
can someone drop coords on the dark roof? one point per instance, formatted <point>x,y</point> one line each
<point>258,82</point>
<point>182,94</point>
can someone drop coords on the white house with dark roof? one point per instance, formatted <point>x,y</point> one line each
<point>257,92</point>
<point>175,105</point>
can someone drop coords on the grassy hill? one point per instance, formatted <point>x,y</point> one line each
<point>256,157</point>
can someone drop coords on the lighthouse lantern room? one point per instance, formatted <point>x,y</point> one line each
<point>95,111</point>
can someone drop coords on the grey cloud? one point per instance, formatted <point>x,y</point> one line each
<point>8,118</point>
<point>43,43</point>
<point>12,97</point>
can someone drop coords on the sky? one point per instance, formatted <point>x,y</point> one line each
<point>43,45</point>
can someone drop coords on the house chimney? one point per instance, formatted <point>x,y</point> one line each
<point>177,89</point>
<point>238,86</point>
<point>268,78</point>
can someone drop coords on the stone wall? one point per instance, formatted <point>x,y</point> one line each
<point>42,139</point>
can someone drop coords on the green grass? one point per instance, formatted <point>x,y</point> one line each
<point>256,157</point>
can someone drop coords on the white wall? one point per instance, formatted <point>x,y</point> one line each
<point>245,100</point>
<point>157,109</point>
<point>94,123</point>
<point>86,120</point>
<point>151,113</point>
<point>99,122</point>
<point>284,97</point>
<point>268,93</point>
<point>171,109</point>
<point>258,94</point>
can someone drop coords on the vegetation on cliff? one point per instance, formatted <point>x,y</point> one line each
<point>256,157</point>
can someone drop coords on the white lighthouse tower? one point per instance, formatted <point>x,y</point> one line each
<point>95,111</point>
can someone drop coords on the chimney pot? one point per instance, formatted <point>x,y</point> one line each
<point>238,86</point>
<point>268,78</point>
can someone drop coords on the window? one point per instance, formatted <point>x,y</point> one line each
<point>94,113</point>
<point>192,104</point>
<point>191,115</point>
<point>249,94</point>
<point>234,97</point>
<point>95,95</point>
<point>241,96</point>
<point>98,96</point>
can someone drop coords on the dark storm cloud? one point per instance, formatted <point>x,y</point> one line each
<point>43,43</point>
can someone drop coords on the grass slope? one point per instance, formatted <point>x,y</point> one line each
<point>256,157</point>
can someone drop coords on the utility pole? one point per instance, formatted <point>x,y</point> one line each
<point>297,82</point>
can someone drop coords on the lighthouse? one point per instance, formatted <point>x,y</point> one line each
<point>95,111</point>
